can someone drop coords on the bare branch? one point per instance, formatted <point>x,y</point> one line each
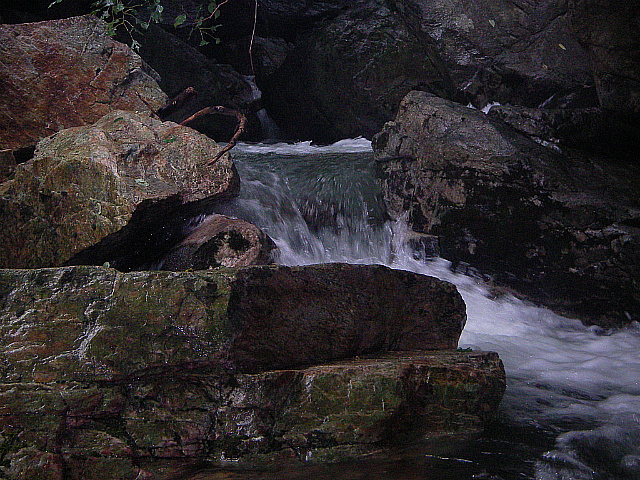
<point>214,11</point>
<point>242,121</point>
<point>176,102</point>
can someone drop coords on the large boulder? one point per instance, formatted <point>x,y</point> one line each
<point>66,73</point>
<point>117,191</point>
<point>102,324</point>
<point>103,369</point>
<point>562,229</point>
<point>149,425</point>
<point>345,78</point>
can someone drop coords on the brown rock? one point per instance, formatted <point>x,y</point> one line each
<point>117,373</point>
<point>220,241</point>
<point>96,323</point>
<point>7,164</point>
<point>65,73</point>
<point>118,191</point>
<point>325,413</point>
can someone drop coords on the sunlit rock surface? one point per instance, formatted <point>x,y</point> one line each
<point>65,73</point>
<point>101,367</point>
<point>562,229</point>
<point>117,191</point>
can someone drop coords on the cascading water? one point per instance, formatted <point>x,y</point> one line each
<point>572,407</point>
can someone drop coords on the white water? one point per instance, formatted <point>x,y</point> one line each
<point>582,384</point>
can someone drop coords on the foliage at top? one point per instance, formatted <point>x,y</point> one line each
<point>134,16</point>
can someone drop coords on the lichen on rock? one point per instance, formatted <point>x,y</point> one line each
<point>117,191</point>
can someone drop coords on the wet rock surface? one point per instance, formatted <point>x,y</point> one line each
<point>117,191</point>
<point>103,324</point>
<point>221,241</point>
<point>561,229</point>
<point>66,73</point>
<point>124,371</point>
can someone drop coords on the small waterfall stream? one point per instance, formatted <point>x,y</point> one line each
<point>572,407</point>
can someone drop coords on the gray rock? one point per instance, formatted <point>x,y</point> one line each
<point>503,50</point>
<point>563,230</point>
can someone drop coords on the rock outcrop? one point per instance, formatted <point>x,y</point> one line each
<point>122,371</point>
<point>563,229</point>
<point>66,73</point>
<point>116,325</point>
<point>221,241</point>
<point>117,191</point>
<point>502,50</point>
<point>345,78</point>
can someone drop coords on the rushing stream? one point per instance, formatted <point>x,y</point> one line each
<point>572,407</point>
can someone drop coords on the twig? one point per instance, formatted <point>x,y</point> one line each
<point>214,11</point>
<point>176,102</point>
<point>253,34</point>
<point>242,121</point>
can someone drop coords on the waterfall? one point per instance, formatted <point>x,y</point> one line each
<point>270,131</point>
<point>572,385</point>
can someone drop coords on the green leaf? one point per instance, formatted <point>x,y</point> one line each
<point>53,3</point>
<point>159,8</point>
<point>492,23</point>
<point>142,181</point>
<point>118,7</point>
<point>180,19</point>
<point>211,7</point>
<point>170,139</point>
<point>216,15</point>
<point>562,46</point>
<point>203,43</point>
<point>135,45</point>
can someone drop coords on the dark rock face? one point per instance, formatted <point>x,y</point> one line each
<point>109,369</point>
<point>7,164</point>
<point>118,191</point>
<point>67,73</point>
<point>180,66</point>
<point>221,241</point>
<point>561,229</point>
<point>503,50</point>
<point>346,78</point>
<point>609,31</point>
